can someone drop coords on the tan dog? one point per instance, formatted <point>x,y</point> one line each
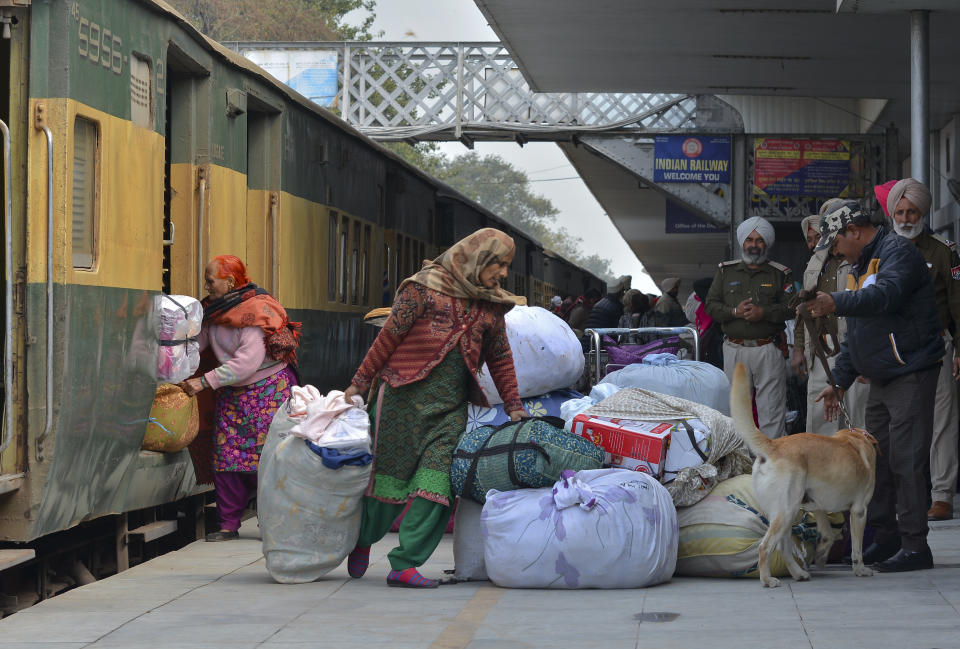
<point>822,474</point>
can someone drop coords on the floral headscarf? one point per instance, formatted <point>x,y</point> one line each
<point>457,271</point>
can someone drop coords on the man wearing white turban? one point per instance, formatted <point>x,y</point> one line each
<point>907,204</point>
<point>749,297</point>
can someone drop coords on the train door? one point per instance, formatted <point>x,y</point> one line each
<point>184,88</point>
<point>263,194</point>
<point>18,128</point>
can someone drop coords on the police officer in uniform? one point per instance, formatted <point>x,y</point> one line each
<point>908,202</point>
<point>749,298</point>
<point>828,273</point>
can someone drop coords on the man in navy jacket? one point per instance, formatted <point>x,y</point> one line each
<point>893,339</point>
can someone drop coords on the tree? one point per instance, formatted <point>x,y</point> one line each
<point>277,20</point>
<point>505,191</point>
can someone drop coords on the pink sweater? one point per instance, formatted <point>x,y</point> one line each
<point>241,352</point>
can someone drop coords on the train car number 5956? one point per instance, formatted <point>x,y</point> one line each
<point>98,44</point>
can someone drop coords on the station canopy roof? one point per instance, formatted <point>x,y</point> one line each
<point>802,48</point>
<point>799,48</point>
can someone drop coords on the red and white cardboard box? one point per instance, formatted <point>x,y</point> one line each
<point>635,445</point>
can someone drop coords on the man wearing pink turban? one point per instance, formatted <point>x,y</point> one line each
<point>907,202</point>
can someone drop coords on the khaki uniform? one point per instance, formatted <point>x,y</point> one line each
<point>825,272</point>
<point>770,286</point>
<point>944,265</point>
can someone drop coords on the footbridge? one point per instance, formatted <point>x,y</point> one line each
<point>470,92</point>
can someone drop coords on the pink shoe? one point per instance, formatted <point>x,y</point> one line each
<point>410,578</point>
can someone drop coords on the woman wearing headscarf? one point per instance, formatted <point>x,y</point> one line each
<point>446,322</point>
<point>255,343</point>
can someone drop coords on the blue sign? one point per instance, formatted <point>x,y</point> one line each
<point>691,159</point>
<point>680,220</point>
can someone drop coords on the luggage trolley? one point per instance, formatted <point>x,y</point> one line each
<point>597,358</point>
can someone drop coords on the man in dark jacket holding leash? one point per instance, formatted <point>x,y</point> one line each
<point>893,339</point>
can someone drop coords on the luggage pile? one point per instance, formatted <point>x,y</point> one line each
<point>314,469</point>
<point>686,445</point>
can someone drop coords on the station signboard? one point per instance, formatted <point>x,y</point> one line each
<point>312,73</point>
<point>795,167</point>
<point>691,159</point>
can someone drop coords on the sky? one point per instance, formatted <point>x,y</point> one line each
<point>544,163</point>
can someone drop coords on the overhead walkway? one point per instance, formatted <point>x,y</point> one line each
<point>219,596</point>
<point>470,92</point>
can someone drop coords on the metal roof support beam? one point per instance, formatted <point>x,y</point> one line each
<point>920,95</point>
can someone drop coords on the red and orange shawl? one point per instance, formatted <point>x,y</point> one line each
<point>252,306</point>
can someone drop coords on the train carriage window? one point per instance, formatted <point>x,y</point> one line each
<point>365,265</point>
<point>355,265</point>
<point>141,92</point>
<point>342,256</point>
<point>86,149</point>
<point>332,258</point>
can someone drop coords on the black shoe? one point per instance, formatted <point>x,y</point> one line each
<point>222,535</point>
<point>905,560</point>
<point>877,552</point>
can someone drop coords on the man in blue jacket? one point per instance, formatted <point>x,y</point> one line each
<point>893,339</point>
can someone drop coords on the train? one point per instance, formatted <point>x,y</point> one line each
<point>135,149</point>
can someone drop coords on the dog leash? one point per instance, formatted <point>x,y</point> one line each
<point>816,338</point>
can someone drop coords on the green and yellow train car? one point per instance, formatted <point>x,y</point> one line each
<point>138,149</point>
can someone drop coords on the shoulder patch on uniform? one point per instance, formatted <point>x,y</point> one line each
<point>955,272</point>
<point>729,263</point>
<point>945,241</point>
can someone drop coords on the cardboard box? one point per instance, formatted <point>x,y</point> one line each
<point>635,445</point>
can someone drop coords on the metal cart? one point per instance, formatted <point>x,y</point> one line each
<point>597,358</point>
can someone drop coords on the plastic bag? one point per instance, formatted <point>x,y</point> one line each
<point>546,353</point>
<point>309,514</point>
<point>178,356</point>
<point>606,528</point>
<point>664,373</point>
<point>573,407</point>
<point>329,420</point>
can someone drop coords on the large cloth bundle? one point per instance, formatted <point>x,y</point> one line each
<point>542,405</point>
<point>309,514</point>
<point>530,453</point>
<point>720,535</point>
<point>178,355</point>
<point>546,353</point>
<point>174,420</point>
<point>664,373</point>
<point>609,528</point>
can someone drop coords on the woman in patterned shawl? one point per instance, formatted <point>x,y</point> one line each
<point>251,336</point>
<point>446,321</point>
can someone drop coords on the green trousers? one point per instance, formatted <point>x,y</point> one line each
<point>421,530</point>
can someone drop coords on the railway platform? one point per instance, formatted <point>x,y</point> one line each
<point>219,596</point>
